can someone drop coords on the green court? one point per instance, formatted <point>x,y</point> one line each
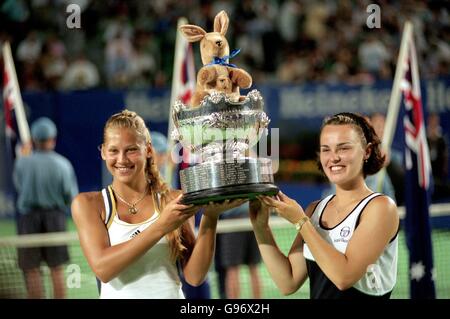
<point>81,282</point>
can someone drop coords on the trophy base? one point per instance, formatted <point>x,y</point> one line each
<point>249,191</point>
<point>217,181</point>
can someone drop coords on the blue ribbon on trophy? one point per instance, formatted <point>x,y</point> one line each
<point>223,60</point>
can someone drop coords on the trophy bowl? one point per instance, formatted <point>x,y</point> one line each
<point>220,133</point>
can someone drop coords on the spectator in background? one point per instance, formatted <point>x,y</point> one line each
<point>46,184</point>
<point>373,54</point>
<point>160,145</point>
<point>219,268</point>
<point>80,74</point>
<point>235,250</point>
<point>290,15</point>
<point>53,61</point>
<point>143,64</point>
<point>394,182</point>
<point>438,146</point>
<point>273,26</point>
<point>293,68</point>
<point>118,54</point>
<point>30,48</point>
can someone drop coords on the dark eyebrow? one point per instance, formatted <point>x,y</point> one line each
<point>345,143</point>
<point>340,144</point>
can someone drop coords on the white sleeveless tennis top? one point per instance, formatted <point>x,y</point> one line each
<point>381,276</point>
<point>153,275</point>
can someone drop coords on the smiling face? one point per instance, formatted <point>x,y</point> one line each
<point>342,153</point>
<point>125,154</point>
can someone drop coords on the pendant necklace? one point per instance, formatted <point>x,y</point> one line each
<point>131,207</point>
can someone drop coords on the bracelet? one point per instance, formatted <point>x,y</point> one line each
<point>298,225</point>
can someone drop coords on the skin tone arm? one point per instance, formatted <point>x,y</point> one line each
<point>378,225</point>
<point>108,261</point>
<point>288,273</point>
<point>196,268</point>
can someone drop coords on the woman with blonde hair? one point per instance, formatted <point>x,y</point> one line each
<point>135,232</point>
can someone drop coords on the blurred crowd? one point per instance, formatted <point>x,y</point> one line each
<point>130,44</point>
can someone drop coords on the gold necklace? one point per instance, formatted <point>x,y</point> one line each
<point>132,207</point>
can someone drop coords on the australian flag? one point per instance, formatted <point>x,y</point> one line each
<point>8,107</point>
<point>11,98</point>
<point>187,76</point>
<point>187,88</point>
<point>183,87</point>
<point>418,181</point>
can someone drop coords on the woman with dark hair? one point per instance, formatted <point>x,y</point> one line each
<point>346,242</point>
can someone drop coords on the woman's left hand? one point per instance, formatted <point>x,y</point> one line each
<point>286,207</point>
<point>213,210</point>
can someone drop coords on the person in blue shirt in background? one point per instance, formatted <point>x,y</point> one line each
<point>160,145</point>
<point>46,184</point>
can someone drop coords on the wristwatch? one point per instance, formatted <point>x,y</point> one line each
<point>298,225</point>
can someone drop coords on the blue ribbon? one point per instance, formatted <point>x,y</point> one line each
<point>223,60</point>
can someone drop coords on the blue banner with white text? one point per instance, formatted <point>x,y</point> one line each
<point>295,110</point>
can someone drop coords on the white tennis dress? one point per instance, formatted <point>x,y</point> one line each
<point>154,275</point>
<point>379,278</point>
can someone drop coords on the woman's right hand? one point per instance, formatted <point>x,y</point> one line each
<point>175,214</point>
<point>259,214</point>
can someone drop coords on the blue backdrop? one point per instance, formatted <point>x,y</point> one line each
<point>80,117</point>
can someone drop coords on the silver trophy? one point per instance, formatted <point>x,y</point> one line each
<point>220,134</point>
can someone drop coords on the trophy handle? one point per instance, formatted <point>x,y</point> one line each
<point>176,110</point>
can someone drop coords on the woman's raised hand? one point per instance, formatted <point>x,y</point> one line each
<point>259,214</point>
<point>213,210</point>
<point>175,214</point>
<point>284,206</point>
